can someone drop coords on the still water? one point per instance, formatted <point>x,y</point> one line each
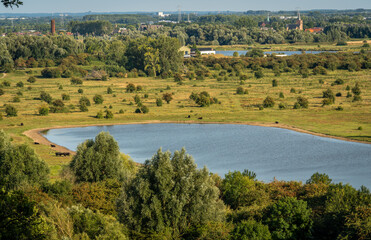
<point>288,53</point>
<point>269,152</point>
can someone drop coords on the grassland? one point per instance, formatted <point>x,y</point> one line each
<point>352,46</point>
<point>233,108</point>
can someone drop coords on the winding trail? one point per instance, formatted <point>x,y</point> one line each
<point>4,75</point>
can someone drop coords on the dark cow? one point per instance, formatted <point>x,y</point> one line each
<point>62,154</point>
<point>52,145</point>
<point>200,118</point>
<point>36,143</point>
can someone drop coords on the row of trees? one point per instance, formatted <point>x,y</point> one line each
<point>103,195</point>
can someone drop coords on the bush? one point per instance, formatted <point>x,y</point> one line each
<point>250,229</point>
<point>292,90</point>
<point>65,97</point>
<point>46,97</point>
<point>282,106</point>
<point>178,77</point>
<point>356,90</point>
<point>31,79</point>
<point>281,95</point>
<point>319,70</point>
<point>6,83</point>
<point>16,99</point>
<point>339,82</point>
<point>98,99</point>
<point>83,107</point>
<point>130,88</point>
<point>144,109</point>
<point>330,97</point>
<point>360,128</point>
<point>240,90</point>
<point>274,83</point>
<point>10,111</point>
<point>76,81</point>
<point>20,84</point>
<point>268,102</point>
<point>167,97</point>
<point>109,114</point>
<point>139,88</point>
<point>259,74</point>
<point>1,92</point>
<point>339,108</point>
<point>44,110</point>
<point>349,95</point>
<point>99,115</point>
<point>302,102</point>
<point>356,98</point>
<point>51,73</point>
<point>109,90</point>
<point>137,99</point>
<point>84,100</point>
<point>158,102</point>
<point>80,90</point>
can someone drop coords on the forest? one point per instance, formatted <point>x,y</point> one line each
<point>102,194</point>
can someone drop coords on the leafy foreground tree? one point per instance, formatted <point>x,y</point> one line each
<point>251,230</point>
<point>169,196</point>
<point>98,159</point>
<point>289,218</point>
<point>20,219</point>
<point>19,165</point>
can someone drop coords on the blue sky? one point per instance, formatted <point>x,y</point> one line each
<point>44,6</point>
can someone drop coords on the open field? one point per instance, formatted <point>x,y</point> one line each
<point>352,46</point>
<point>233,108</point>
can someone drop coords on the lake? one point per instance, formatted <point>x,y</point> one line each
<point>288,53</point>
<point>269,152</point>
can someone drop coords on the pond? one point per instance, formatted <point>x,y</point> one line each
<point>288,53</point>
<point>269,152</point>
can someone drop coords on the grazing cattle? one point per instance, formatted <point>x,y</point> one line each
<point>21,124</point>
<point>200,118</point>
<point>189,116</point>
<point>62,154</point>
<point>36,143</point>
<point>52,145</point>
<point>277,122</point>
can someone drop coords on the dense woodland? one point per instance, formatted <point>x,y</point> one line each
<point>103,195</point>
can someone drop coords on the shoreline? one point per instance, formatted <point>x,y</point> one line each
<point>37,136</point>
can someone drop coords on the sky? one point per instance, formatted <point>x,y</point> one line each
<point>60,6</point>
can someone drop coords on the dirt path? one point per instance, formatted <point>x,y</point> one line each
<point>4,75</point>
<point>36,135</point>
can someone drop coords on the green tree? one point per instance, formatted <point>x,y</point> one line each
<point>20,219</point>
<point>19,165</point>
<point>169,195</point>
<point>289,218</point>
<point>98,99</point>
<point>268,102</point>
<point>151,61</point>
<point>251,230</point>
<point>98,159</point>
<point>11,111</point>
<point>167,97</point>
<point>319,178</point>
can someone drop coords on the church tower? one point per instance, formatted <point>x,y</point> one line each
<point>300,22</point>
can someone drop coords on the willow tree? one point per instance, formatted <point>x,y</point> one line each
<point>98,159</point>
<point>169,196</point>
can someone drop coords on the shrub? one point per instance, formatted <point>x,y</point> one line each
<point>130,88</point>
<point>83,107</point>
<point>44,110</point>
<point>356,90</point>
<point>349,95</point>
<point>137,99</point>
<point>65,97</point>
<point>144,109</point>
<point>16,99</point>
<point>339,81</point>
<point>319,70</point>
<point>60,87</point>
<point>178,77</point>
<point>259,74</point>
<point>109,90</point>
<point>6,83</point>
<point>84,100</point>
<point>80,90</point>
<point>282,106</point>
<point>139,88</point>
<point>1,92</point>
<point>321,81</point>
<point>46,97</point>
<point>268,102</point>
<point>330,97</point>
<point>98,99</point>
<point>347,88</point>
<point>339,108</point>
<point>146,95</point>
<point>240,90</point>
<point>10,111</point>
<point>360,128</point>
<point>338,94</point>
<point>274,83</point>
<point>138,110</point>
<point>303,102</point>
<point>76,81</point>
<point>158,102</point>
<point>167,97</point>
<point>281,95</point>
<point>20,84</point>
<point>121,111</point>
<point>250,229</point>
<point>292,90</point>
<point>31,79</point>
<point>19,93</point>
<point>109,114</point>
<point>357,98</point>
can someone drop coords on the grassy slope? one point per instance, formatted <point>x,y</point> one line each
<point>234,108</point>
